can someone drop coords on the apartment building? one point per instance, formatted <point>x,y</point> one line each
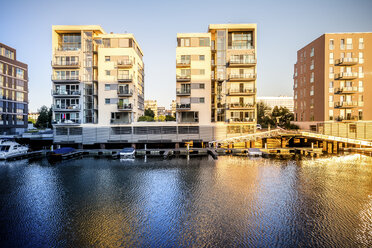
<point>332,78</point>
<point>216,77</point>
<point>280,101</point>
<point>98,78</point>
<point>14,92</point>
<point>153,105</point>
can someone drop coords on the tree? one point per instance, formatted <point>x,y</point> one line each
<point>45,117</point>
<point>145,118</point>
<point>170,118</point>
<point>161,118</point>
<point>149,112</point>
<point>263,114</point>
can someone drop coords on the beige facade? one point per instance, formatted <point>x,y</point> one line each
<point>280,101</point>
<point>153,105</point>
<point>332,79</point>
<point>98,78</point>
<point>216,77</point>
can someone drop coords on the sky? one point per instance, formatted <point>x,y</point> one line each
<point>283,27</point>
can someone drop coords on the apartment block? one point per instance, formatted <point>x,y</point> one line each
<point>216,77</point>
<point>153,105</point>
<point>98,77</point>
<point>332,79</point>
<point>14,92</point>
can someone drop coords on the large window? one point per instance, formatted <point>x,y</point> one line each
<point>71,42</point>
<point>203,41</point>
<point>241,40</point>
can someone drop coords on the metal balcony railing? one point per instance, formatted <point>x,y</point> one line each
<point>183,63</point>
<point>66,122</point>
<point>183,91</point>
<point>125,77</point>
<point>347,61</point>
<point>346,90</point>
<point>241,91</point>
<point>124,63</point>
<point>350,104</point>
<point>183,78</point>
<point>125,92</point>
<point>247,61</point>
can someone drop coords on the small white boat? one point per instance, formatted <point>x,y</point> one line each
<point>254,152</point>
<point>127,153</point>
<point>9,149</point>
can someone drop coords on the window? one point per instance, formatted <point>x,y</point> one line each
<point>184,42</point>
<point>361,74</point>
<point>107,58</point>
<point>331,72</point>
<point>349,43</point>
<point>312,52</point>
<point>201,86</point>
<point>331,87</point>
<point>107,72</point>
<point>360,114</point>
<point>342,44</point>
<point>312,65</point>
<point>361,59</point>
<point>107,100</point>
<point>352,128</point>
<point>312,78</point>
<point>361,89</point>
<point>201,100</point>
<point>331,60</point>
<point>330,114</point>
<point>331,44</point>
<point>361,43</point>
<point>20,73</point>
<point>203,41</point>
<point>201,57</point>
<point>201,71</point>
<point>312,90</point>
<point>107,87</point>
<point>330,98</point>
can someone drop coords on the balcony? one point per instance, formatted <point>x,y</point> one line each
<point>346,75</point>
<point>183,106</point>
<point>347,61</point>
<point>125,107</point>
<point>65,64</point>
<point>346,118</point>
<point>66,122</point>
<point>72,47</point>
<point>64,108</point>
<point>241,47</point>
<point>67,93</point>
<point>125,78</point>
<point>352,104</point>
<point>183,78</point>
<point>346,90</point>
<point>125,92</point>
<point>67,79</point>
<point>242,77</point>
<point>128,63</point>
<point>183,92</point>
<point>242,62</point>
<point>183,63</point>
<point>241,106</point>
<point>239,92</point>
<point>240,120</point>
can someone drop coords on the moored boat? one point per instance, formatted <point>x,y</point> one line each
<point>11,149</point>
<point>127,153</point>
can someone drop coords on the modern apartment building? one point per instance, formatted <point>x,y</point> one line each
<point>153,105</point>
<point>332,79</point>
<point>216,77</point>
<point>280,101</point>
<point>98,78</point>
<point>14,92</point>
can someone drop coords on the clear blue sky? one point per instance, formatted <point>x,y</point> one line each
<point>283,28</point>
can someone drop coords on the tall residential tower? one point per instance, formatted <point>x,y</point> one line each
<point>332,80</point>
<point>216,77</point>
<point>98,78</point>
<point>14,92</point>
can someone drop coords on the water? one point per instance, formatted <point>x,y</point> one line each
<point>231,202</point>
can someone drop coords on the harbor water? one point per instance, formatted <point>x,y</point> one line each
<point>229,202</point>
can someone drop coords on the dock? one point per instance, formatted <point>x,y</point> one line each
<point>34,154</point>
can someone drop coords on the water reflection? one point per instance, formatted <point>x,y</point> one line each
<point>233,201</point>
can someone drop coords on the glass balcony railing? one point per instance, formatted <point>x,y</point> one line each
<point>183,78</point>
<point>65,78</point>
<point>242,62</point>
<point>183,106</point>
<point>183,63</point>
<point>241,91</point>
<point>346,75</point>
<point>66,92</point>
<point>61,107</point>
<point>350,104</point>
<point>347,61</point>
<point>125,106</point>
<point>125,77</point>
<point>125,92</point>
<point>183,91</point>
<point>346,90</point>
<point>124,63</point>
<point>241,105</point>
<point>66,122</point>
<point>57,63</point>
<point>245,76</point>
